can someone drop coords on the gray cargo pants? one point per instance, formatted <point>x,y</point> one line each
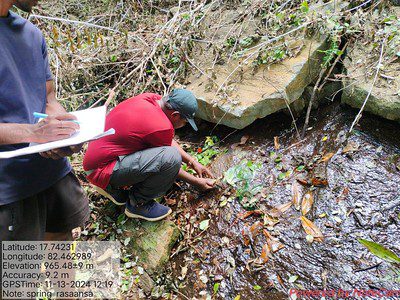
<point>149,173</point>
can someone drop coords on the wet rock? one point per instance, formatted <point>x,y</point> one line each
<point>151,242</point>
<point>384,100</point>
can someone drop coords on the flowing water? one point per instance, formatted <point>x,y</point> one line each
<point>361,200</point>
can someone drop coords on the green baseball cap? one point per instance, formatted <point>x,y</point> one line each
<point>185,103</point>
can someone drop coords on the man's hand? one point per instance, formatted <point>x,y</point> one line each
<point>62,152</point>
<point>205,184</point>
<point>54,128</point>
<point>201,170</point>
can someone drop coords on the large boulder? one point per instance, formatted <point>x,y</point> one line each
<point>384,100</point>
<point>258,93</point>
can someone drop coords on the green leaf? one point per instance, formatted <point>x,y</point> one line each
<point>281,176</point>
<point>204,224</point>
<point>216,287</point>
<point>300,168</point>
<point>223,203</point>
<point>257,287</point>
<point>380,251</point>
<point>293,278</point>
<point>304,7</point>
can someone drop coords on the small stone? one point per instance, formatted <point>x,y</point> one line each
<point>309,238</point>
<point>297,246</point>
<point>204,278</point>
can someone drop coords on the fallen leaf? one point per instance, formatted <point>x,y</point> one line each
<point>350,147</point>
<point>280,209</point>
<point>273,243</point>
<point>265,253</point>
<point>183,272</point>
<point>307,203</point>
<point>302,181</point>
<point>257,287</point>
<point>204,224</point>
<point>279,279</point>
<point>216,287</point>
<point>276,143</point>
<point>295,195</point>
<point>255,228</point>
<point>327,157</point>
<point>325,138</point>
<point>246,236</point>
<point>293,278</point>
<point>311,229</point>
<point>237,297</point>
<point>319,181</point>
<point>247,214</point>
<point>380,251</point>
<point>343,195</point>
<point>270,221</point>
<point>244,139</point>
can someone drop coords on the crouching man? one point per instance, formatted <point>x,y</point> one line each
<point>141,161</point>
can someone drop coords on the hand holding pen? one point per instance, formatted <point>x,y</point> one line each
<point>54,127</point>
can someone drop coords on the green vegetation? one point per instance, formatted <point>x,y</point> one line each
<point>243,178</point>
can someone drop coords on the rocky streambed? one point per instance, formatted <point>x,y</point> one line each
<point>354,186</point>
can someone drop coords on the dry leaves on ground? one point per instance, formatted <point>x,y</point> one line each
<point>311,229</point>
<point>307,203</point>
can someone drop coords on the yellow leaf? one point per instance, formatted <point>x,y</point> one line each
<point>237,297</point>
<point>324,138</point>
<point>307,203</point>
<point>311,229</point>
<point>327,157</point>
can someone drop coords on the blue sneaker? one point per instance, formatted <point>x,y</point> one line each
<point>119,197</point>
<point>152,211</point>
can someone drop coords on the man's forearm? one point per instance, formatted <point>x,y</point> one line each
<point>53,107</point>
<point>15,133</point>
<point>185,156</point>
<point>185,176</point>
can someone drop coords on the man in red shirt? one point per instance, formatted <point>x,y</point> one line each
<point>143,155</point>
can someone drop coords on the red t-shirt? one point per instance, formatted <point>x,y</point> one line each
<point>139,124</point>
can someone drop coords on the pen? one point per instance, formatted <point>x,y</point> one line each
<point>40,115</point>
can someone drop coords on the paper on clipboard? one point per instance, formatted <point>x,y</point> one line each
<point>91,122</point>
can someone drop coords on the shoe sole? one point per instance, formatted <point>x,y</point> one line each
<point>134,216</point>
<point>107,195</point>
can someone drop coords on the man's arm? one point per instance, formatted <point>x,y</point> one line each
<point>53,107</point>
<point>11,133</point>
<point>204,184</point>
<point>192,162</point>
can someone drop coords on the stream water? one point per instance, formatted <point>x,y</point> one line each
<point>361,200</point>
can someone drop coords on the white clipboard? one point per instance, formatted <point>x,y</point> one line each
<point>91,122</point>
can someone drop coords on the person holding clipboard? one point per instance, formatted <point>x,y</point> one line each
<point>40,197</point>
